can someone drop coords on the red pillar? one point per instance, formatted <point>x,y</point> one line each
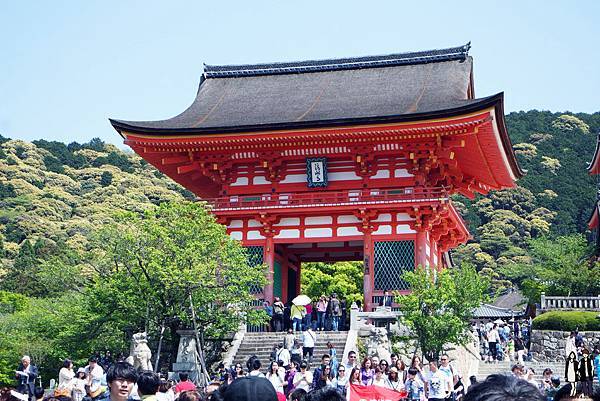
<point>368,271</point>
<point>420,248</point>
<point>269,258</point>
<point>432,252</point>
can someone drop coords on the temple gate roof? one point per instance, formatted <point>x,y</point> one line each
<point>374,89</point>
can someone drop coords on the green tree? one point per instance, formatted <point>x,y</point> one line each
<point>567,122</point>
<point>154,265</point>
<point>20,277</point>
<point>558,267</point>
<point>106,178</point>
<point>440,306</point>
<point>343,278</point>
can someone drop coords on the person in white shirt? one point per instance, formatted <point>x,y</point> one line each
<point>493,340</point>
<point>308,344</point>
<point>351,361</point>
<point>94,373</point>
<point>436,386</point>
<point>65,379</point>
<point>276,375</point>
<point>79,383</point>
<point>448,371</point>
<point>570,344</point>
<point>283,357</point>
<point>340,383</point>
<point>289,339</point>
<point>304,378</point>
<point>255,368</point>
<point>380,379</point>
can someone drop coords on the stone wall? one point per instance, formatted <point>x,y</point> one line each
<point>549,346</point>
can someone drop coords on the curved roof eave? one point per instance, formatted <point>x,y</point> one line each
<point>142,127</point>
<point>593,167</point>
<point>496,101</point>
<point>506,142</point>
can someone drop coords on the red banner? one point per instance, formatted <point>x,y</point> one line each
<point>374,393</point>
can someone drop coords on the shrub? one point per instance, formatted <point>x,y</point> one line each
<point>567,321</point>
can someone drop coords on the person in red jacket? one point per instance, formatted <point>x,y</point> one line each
<point>184,384</point>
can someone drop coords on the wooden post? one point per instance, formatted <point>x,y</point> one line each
<point>421,248</point>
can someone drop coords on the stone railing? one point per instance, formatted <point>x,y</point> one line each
<point>549,303</point>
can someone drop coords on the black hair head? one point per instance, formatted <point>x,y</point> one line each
<point>499,387</point>
<point>183,376</point>
<point>121,370</point>
<point>298,395</point>
<point>325,394</point>
<point>148,383</point>
<point>38,392</point>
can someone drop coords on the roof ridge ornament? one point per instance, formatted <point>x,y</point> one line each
<point>459,53</point>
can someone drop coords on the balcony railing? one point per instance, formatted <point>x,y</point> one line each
<point>569,303</point>
<point>327,198</point>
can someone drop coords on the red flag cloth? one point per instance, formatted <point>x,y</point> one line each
<point>374,393</point>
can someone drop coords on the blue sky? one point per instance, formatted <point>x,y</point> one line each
<point>67,66</point>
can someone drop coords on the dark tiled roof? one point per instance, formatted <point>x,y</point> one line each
<point>513,300</point>
<point>392,60</point>
<point>491,311</point>
<point>328,92</point>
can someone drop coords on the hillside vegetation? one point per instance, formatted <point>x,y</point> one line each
<point>53,196</point>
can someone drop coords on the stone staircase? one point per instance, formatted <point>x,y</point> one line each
<point>261,345</point>
<point>486,369</point>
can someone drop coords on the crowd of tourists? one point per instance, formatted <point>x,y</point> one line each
<point>295,379</point>
<point>501,340</point>
<point>328,313</point>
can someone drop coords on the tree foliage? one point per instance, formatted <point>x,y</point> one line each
<point>557,267</point>
<point>440,306</point>
<point>150,263</point>
<point>343,278</point>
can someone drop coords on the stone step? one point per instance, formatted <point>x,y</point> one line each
<point>261,345</point>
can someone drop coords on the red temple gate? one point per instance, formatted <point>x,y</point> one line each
<point>332,160</point>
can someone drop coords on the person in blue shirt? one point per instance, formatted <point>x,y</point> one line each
<point>414,386</point>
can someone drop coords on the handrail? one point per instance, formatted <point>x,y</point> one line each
<point>554,302</point>
<point>320,198</point>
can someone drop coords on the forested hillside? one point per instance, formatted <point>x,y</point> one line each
<point>555,198</point>
<point>53,196</point>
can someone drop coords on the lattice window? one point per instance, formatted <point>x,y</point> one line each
<point>392,259</point>
<point>255,258</point>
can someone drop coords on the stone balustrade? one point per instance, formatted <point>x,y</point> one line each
<point>549,303</point>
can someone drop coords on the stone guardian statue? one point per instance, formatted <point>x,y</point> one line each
<point>140,352</point>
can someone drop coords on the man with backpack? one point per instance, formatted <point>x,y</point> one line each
<point>278,308</point>
<point>336,312</point>
<point>451,376</point>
